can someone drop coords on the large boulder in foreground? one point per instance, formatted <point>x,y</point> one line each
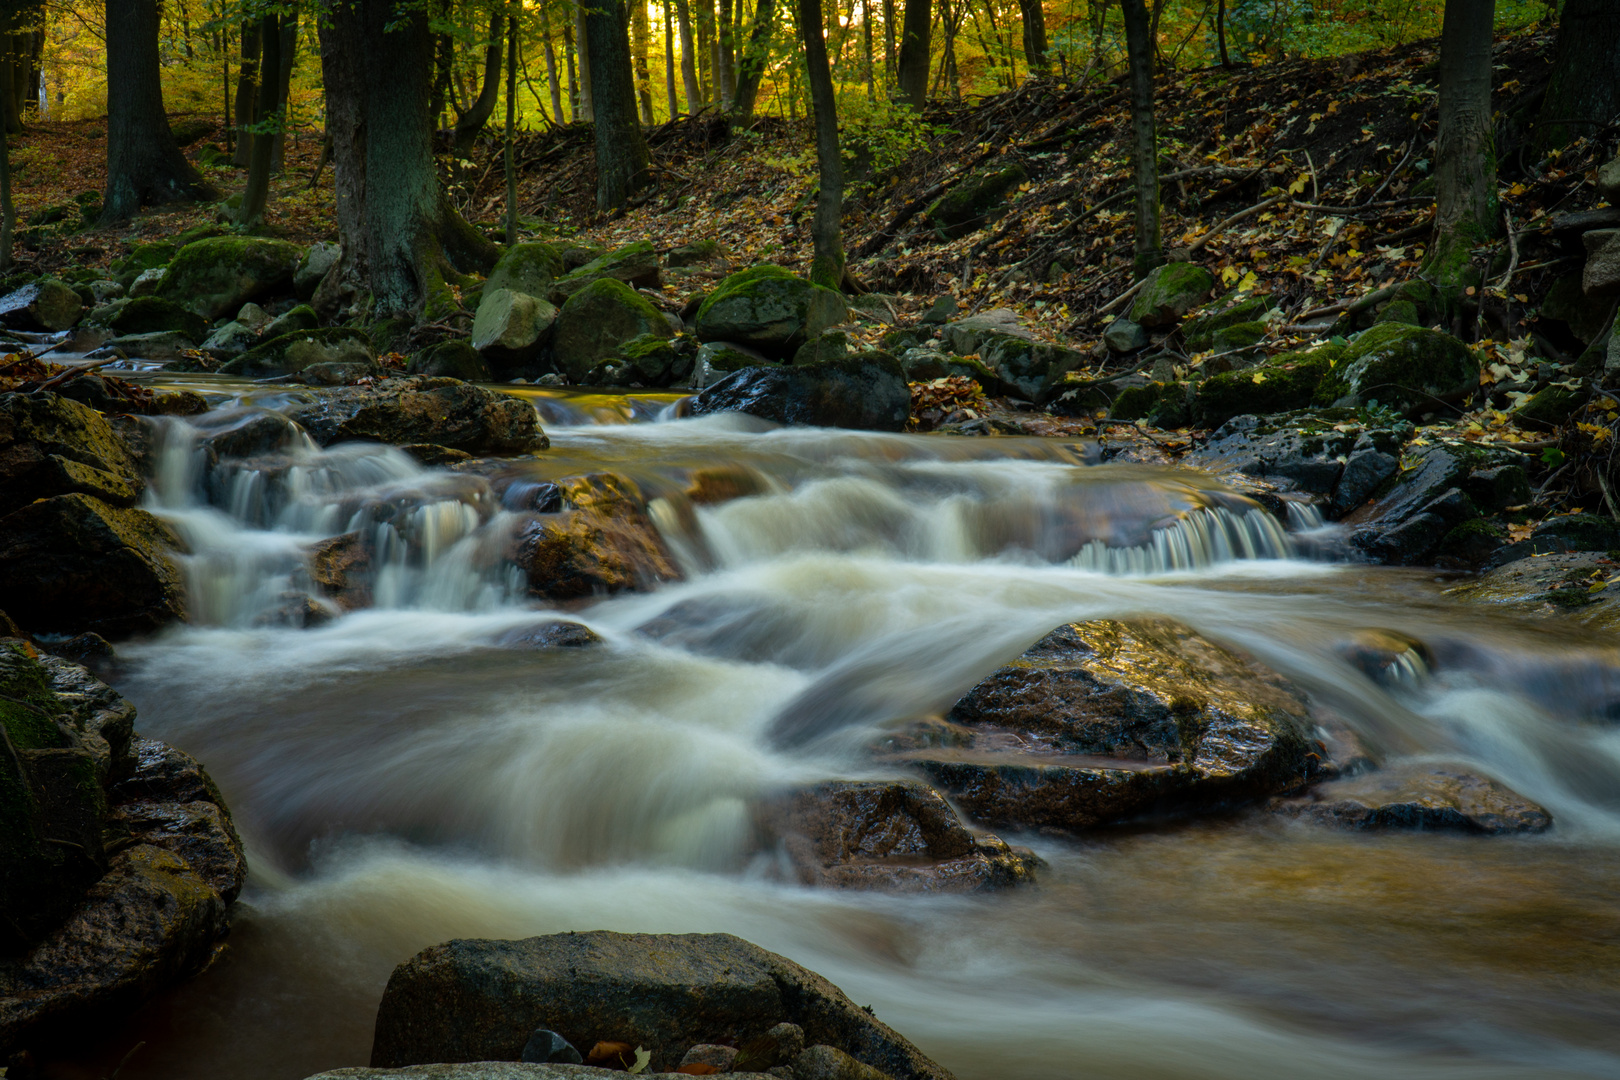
<point>768,309</point>
<point>1407,368</point>
<point>118,862</point>
<point>52,445</point>
<point>527,268</point>
<point>1123,718</point>
<point>420,409</point>
<point>215,277</point>
<point>866,393</point>
<point>511,326</point>
<point>597,320</point>
<point>473,1000</point>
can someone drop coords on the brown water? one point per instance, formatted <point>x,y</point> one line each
<point>401,780</point>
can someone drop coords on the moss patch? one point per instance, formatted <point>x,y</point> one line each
<point>1404,367</point>
<point>1284,383</point>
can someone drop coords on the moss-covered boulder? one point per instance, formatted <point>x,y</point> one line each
<point>717,359</point>
<point>314,266</point>
<point>597,320</point>
<point>768,309</point>
<point>1552,407</point>
<point>149,314</point>
<point>1407,368</point>
<point>291,353</point>
<point>926,365</point>
<point>974,200</point>
<point>1171,291</point>
<point>141,258</point>
<point>294,321</point>
<point>512,326</point>
<point>526,268</point>
<point>1282,384</point>
<point>634,264</point>
<point>655,360</point>
<point>50,445</point>
<point>455,359</point>
<point>217,276</point>
<point>693,254</point>
<point>1230,310</point>
<point>1162,404</point>
<point>1239,337</point>
<point>47,304</point>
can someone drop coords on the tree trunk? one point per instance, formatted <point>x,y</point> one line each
<point>401,239</point>
<point>266,120</point>
<point>751,65</point>
<point>622,163</point>
<point>706,50</point>
<point>1583,95</point>
<point>1220,32</point>
<point>511,130</point>
<point>888,47</point>
<point>222,41</point>
<point>911,78</point>
<point>551,67</point>
<point>1149,251</point>
<point>669,62</point>
<point>8,209</point>
<point>866,35</point>
<point>725,57</point>
<point>471,122</point>
<point>284,66</point>
<point>1035,38</point>
<point>144,165</point>
<point>826,230</point>
<point>1465,157</point>
<point>689,78</point>
<point>573,77</point>
<point>586,109</point>
<point>247,90</point>
<point>642,39</point>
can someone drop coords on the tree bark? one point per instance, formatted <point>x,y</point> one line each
<point>247,90</point>
<point>144,166</point>
<point>707,56</point>
<point>1149,250</point>
<point>1220,32</point>
<point>1583,95</point>
<point>551,67</point>
<point>511,130</point>
<point>266,119</point>
<point>284,66</point>
<point>826,229</point>
<point>573,77</point>
<point>751,65</point>
<point>641,35</point>
<point>8,209</point>
<point>401,239</point>
<point>725,57</point>
<point>1035,38</point>
<point>1465,156</point>
<point>669,62</point>
<point>689,77</point>
<point>622,163</point>
<point>911,78</point>
<point>471,122</point>
<point>586,109</point>
<point>888,47</point>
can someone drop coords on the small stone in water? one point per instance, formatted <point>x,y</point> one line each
<point>711,1054</point>
<point>546,1046</point>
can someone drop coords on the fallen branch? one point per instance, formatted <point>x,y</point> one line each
<point>1183,254</point>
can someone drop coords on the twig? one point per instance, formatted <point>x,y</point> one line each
<point>1513,247</point>
<point>1182,254</point>
<point>1121,298</point>
<point>1341,211</point>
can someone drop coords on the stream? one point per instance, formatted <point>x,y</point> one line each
<point>402,776</point>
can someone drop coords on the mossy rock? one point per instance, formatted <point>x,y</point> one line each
<point>1407,368</point>
<point>1239,336</point>
<point>291,353</point>
<point>455,359</point>
<point>1399,311</point>
<point>654,360</point>
<point>1198,333</point>
<point>768,309</point>
<point>391,334</point>
<point>1282,384</point>
<point>215,277</point>
<point>151,314</point>
<point>693,254</point>
<point>528,268</point>
<point>974,200</point>
<point>1552,407</point>
<point>633,264</point>
<point>926,365</point>
<point>597,321</point>
<point>1171,291</point>
<point>1162,404</point>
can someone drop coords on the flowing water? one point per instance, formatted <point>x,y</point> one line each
<point>402,777</point>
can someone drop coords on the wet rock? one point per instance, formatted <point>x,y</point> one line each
<point>634,265</point>
<point>647,360</point>
<point>1124,336</point>
<point>291,353</point>
<point>898,836</point>
<point>198,832</point>
<point>47,305</point>
<point>1103,720</point>
<point>1365,470</point>
<point>342,567</point>
<point>434,456</point>
<point>1388,657</point>
<point>1428,501</point>
<point>1601,275</point>
<point>1406,368</point>
<point>974,201</point>
<point>926,365</point>
<point>511,327</point>
<point>546,1046</point>
<point>1171,291</point>
<point>717,1058</point>
<point>72,563</point>
<point>315,265</point>
<point>216,276</point>
<point>597,321</point>
<point>1300,451</point>
<point>471,1000</point>
<point>552,634</point>
<point>419,409</point>
<point>1566,532</point>
<point>52,445</point>
<point>1419,797</point>
<point>231,340</point>
<point>149,314</point>
<point>768,309</point>
<point>604,542</point>
<point>247,432</point>
<point>162,347</point>
<point>1572,585</point>
<point>453,359</point>
<point>717,359</point>
<point>868,392</point>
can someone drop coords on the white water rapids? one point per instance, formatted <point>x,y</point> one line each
<point>401,778</point>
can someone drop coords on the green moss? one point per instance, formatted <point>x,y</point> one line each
<point>1552,407</point>
<point>1232,309</point>
<point>741,283</point>
<point>390,334</point>
<point>141,258</point>
<point>1171,291</point>
<point>1160,404</point>
<point>1284,383</point>
<point>1405,367</point>
<point>526,268</point>
<point>1399,311</point>
<point>214,277</point>
<point>150,314</point>
<point>969,204</point>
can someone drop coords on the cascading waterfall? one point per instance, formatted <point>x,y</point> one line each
<point>1202,539</point>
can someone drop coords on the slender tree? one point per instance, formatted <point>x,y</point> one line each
<point>475,116</point>
<point>751,64</point>
<point>402,242</point>
<point>911,75</point>
<point>551,66</point>
<point>247,89</point>
<point>622,163</point>
<point>725,63</point>
<point>641,41</point>
<point>1220,32</point>
<point>669,62</point>
<point>284,68</point>
<point>511,129</point>
<point>1583,95</point>
<point>1465,154</point>
<point>585,107</point>
<point>266,119</point>
<point>1149,250</point>
<point>144,165</point>
<point>826,229</point>
<point>1035,38</point>
<point>689,78</point>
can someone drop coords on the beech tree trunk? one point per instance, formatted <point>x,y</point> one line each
<point>725,67</point>
<point>641,36</point>
<point>1149,250</point>
<point>751,64</point>
<point>826,229</point>
<point>669,62</point>
<point>622,163</point>
<point>1220,32</point>
<point>551,67</point>
<point>1465,155</point>
<point>402,242</point>
<point>707,56</point>
<point>265,121</point>
<point>144,166</point>
<point>1583,95</point>
<point>586,109</point>
<point>247,89</point>
<point>471,122</point>
<point>911,76</point>
<point>283,68</point>
<point>689,75</point>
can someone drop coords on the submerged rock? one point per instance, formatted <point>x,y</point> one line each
<point>1419,797</point>
<point>1103,720</point>
<point>419,409</point>
<point>899,836</point>
<point>471,1000</point>
<point>867,392</point>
